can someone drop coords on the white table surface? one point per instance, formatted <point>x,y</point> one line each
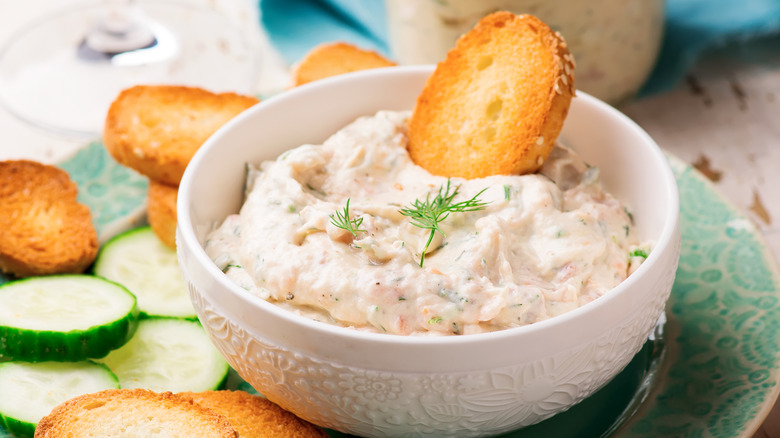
<point>725,119</point>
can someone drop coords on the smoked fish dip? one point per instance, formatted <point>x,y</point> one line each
<point>533,247</point>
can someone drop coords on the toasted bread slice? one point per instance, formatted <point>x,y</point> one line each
<point>331,59</point>
<point>161,211</point>
<point>157,129</point>
<point>130,413</point>
<point>254,416</point>
<point>43,228</point>
<point>497,103</point>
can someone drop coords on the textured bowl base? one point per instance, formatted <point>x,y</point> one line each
<point>597,416</point>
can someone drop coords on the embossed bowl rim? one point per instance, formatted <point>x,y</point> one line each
<point>295,116</point>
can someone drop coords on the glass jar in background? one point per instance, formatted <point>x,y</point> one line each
<point>615,42</point>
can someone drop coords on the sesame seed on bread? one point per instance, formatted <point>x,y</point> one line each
<point>331,59</point>
<point>161,211</point>
<point>254,416</point>
<point>133,413</point>
<point>157,129</point>
<point>43,228</point>
<point>497,103</point>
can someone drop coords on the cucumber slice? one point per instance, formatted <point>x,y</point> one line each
<point>64,317</point>
<point>31,390</point>
<point>138,260</point>
<point>168,354</point>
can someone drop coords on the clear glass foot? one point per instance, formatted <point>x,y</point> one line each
<point>62,73</point>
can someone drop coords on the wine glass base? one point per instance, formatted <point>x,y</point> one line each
<point>89,54</point>
<point>46,80</point>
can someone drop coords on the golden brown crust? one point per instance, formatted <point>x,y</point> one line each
<point>161,211</point>
<point>331,59</point>
<point>157,129</point>
<point>133,413</point>
<point>43,228</point>
<point>254,416</point>
<point>497,103</point>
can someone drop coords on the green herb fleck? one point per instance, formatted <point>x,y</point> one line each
<point>342,220</point>
<point>430,213</point>
<point>291,208</point>
<point>628,213</point>
<point>507,192</point>
<point>625,227</point>
<point>435,320</point>
<point>317,191</point>
<point>401,298</point>
<point>638,253</point>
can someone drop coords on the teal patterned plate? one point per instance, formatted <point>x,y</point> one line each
<point>115,194</point>
<point>720,369</point>
<point>721,372</point>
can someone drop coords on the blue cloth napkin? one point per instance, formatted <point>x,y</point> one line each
<point>695,26</point>
<point>692,28</point>
<point>295,26</point>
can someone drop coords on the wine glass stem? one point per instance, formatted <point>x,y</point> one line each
<point>122,28</point>
<point>118,17</point>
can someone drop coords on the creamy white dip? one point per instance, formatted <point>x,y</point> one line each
<point>543,244</point>
<point>615,42</point>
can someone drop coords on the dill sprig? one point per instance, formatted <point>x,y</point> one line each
<point>430,213</point>
<point>342,220</point>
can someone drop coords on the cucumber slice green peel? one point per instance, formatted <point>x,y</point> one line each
<point>31,390</point>
<point>64,318</point>
<point>138,260</point>
<point>168,354</point>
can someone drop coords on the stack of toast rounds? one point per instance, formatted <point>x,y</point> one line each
<point>156,130</point>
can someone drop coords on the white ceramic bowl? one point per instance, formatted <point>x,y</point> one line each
<point>382,385</point>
